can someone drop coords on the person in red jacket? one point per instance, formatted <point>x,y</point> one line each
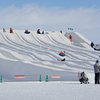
<point>11,30</point>
<point>38,31</point>
<point>70,37</point>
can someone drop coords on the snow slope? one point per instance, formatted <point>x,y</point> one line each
<point>35,54</point>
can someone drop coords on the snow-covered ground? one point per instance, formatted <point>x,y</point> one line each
<point>49,91</point>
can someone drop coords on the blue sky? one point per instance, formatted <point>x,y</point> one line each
<point>52,15</point>
<point>52,3</point>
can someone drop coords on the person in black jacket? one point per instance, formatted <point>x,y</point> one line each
<point>92,44</point>
<point>61,60</point>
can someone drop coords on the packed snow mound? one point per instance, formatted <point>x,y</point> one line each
<point>37,54</point>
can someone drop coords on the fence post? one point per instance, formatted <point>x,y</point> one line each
<point>1,79</point>
<point>47,79</point>
<point>40,79</point>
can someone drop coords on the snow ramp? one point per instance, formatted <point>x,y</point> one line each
<point>35,54</point>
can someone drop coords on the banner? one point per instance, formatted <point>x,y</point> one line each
<point>55,76</point>
<point>19,76</point>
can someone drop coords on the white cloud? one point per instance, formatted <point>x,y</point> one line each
<point>31,16</point>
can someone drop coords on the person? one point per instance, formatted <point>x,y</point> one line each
<point>11,30</point>
<point>61,60</point>
<point>83,78</point>
<point>62,53</point>
<point>42,32</point>
<point>61,31</point>
<point>26,31</point>
<point>97,71</point>
<point>4,30</point>
<point>70,37</point>
<point>38,31</point>
<point>92,44</point>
